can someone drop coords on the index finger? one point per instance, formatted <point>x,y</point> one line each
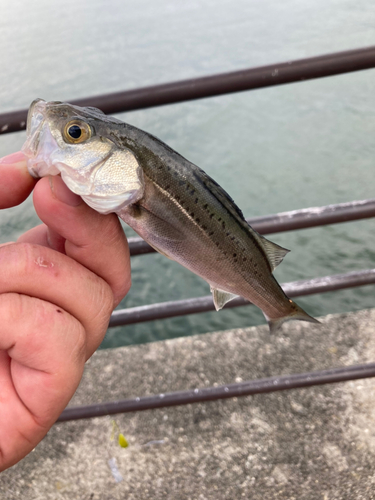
<point>15,181</point>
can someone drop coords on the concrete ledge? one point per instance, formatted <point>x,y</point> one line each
<point>305,444</point>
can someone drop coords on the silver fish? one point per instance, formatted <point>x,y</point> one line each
<point>171,203</point>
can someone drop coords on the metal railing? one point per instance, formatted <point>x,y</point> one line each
<point>286,221</point>
<point>209,86</point>
<point>175,308</point>
<point>290,221</point>
<point>276,74</point>
<point>249,388</point>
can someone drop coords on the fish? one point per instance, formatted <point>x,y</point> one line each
<point>170,202</point>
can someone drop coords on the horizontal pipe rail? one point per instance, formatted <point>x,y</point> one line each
<point>214,85</point>
<point>175,308</point>
<point>249,388</point>
<point>295,219</point>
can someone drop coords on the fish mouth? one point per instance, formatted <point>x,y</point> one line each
<point>40,144</point>
<point>44,153</point>
<point>35,114</point>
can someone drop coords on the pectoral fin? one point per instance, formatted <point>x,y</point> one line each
<point>159,233</point>
<point>221,298</point>
<point>275,253</point>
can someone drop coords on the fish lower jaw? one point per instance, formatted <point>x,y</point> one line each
<point>39,169</point>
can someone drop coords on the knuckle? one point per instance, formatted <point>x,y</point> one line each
<point>122,290</point>
<point>106,300</point>
<point>80,346</point>
<point>10,308</point>
<point>97,317</point>
<point>101,307</point>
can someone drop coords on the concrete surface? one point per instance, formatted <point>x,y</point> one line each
<point>307,444</point>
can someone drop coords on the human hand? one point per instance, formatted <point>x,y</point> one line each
<point>58,286</point>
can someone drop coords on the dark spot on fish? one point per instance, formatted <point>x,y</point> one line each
<point>196,200</point>
<point>211,233</point>
<point>217,243</point>
<point>235,260</point>
<point>225,253</point>
<point>255,273</point>
<point>205,206</point>
<point>233,238</point>
<point>244,259</point>
<point>223,224</point>
<point>187,209</point>
<point>167,187</point>
<point>181,183</point>
<point>59,311</point>
<point>228,233</point>
<point>168,168</point>
<point>197,220</point>
<point>192,214</point>
<point>219,219</point>
<point>135,211</point>
<point>177,197</point>
<point>192,192</point>
<point>255,264</point>
<point>211,215</point>
<point>234,255</point>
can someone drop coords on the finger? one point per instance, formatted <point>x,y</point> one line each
<point>37,235</point>
<point>44,236</point>
<point>15,181</point>
<point>40,272</point>
<point>96,241</point>
<point>41,364</point>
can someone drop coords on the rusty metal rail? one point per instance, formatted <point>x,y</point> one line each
<point>176,308</point>
<point>290,221</point>
<point>249,388</point>
<point>214,85</point>
<point>285,221</point>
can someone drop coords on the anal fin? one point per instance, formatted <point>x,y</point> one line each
<point>221,298</point>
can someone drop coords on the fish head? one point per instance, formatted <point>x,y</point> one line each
<point>78,144</point>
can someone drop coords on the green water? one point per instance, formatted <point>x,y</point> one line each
<point>276,149</point>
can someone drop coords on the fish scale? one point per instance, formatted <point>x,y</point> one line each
<point>170,202</point>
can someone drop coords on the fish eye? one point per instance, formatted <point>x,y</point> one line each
<point>76,132</point>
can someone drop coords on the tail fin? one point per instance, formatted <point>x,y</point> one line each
<point>297,313</point>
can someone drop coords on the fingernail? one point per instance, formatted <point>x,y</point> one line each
<point>62,192</point>
<point>13,158</point>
